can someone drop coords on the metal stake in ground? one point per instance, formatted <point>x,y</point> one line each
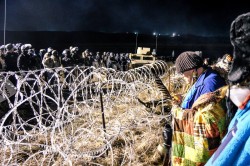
<point>103,116</point>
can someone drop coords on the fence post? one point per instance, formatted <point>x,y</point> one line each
<point>103,116</point>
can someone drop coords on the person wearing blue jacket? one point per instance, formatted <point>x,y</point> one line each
<point>235,147</point>
<point>202,78</point>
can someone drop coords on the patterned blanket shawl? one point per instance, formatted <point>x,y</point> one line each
<point>198,131</point>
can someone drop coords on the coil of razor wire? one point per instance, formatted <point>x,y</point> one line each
<point>46,105</point>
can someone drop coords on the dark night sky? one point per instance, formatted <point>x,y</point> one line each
<point>201,17</point>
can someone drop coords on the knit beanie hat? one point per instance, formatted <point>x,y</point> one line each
<point>240,39</point>
<point>187,61</point>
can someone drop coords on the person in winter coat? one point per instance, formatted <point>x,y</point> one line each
<point>199,119</point>
<point>67,61</point>
<point>235,147</point>
<point>56,59</point>
<point>202,78</point>
<point>11,58</point>
<point>47,61</point>
<point>24,59</point>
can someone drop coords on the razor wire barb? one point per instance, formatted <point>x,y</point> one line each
<point>54,115</point>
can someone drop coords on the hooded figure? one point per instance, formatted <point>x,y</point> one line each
<point>240,39</point>
<point>235,147</point>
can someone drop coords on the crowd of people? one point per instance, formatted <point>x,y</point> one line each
<point>23,57</point>
<point>205,130</point>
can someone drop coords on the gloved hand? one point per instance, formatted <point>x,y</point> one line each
<point>177,99</point>
<point>167,134</point>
